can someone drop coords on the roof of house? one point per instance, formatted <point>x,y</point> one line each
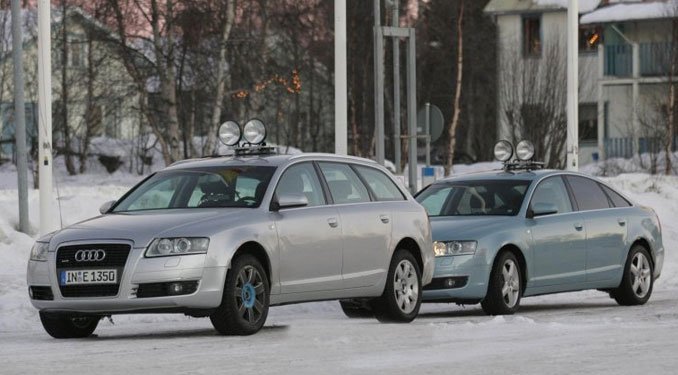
<point>527,6</point>
<point>632,11</point>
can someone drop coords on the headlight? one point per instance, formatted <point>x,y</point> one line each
<point>503,150</point>
<point>161,247</point>
<point>39,251</point>
<point>229,133</point>
<point>254,131</point>
<point>454,248</point>
<point>525,150</point>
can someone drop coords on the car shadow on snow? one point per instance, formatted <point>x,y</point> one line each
<point>475,310</point>
<point>178,334</point>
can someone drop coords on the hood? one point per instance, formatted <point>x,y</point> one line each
<point>142,227</point>
<point>447,228</point>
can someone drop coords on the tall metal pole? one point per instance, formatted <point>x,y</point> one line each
<point>20,116</point>
<point>572,85</point>
<point>45,118</point>
<point>412,110</point>
<point>396,92</point>
<point>340,79</point>
<point>427,130</point>
<point>378,83</point>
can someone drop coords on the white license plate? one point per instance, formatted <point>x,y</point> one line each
<point>80,277</point>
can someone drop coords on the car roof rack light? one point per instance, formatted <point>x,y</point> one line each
<point>523,152</point>
<point>246,141</point>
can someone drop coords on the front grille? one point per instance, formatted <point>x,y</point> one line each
<point>43,293</point>
<point>116,257</point>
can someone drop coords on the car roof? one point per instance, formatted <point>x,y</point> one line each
<point>501,174</point>
<point>272,160</point>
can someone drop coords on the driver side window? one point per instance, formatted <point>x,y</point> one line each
<point>552,191</point>
<point>302,179</point>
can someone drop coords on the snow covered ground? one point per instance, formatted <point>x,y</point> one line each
<point>560,334</point>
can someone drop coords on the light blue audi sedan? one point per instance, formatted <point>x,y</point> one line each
<point>524,231</point>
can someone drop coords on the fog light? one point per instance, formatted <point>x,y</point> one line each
<point>450,283</point>
<point>175,288</point>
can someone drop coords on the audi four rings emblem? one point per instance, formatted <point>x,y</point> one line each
<point>90,255</point>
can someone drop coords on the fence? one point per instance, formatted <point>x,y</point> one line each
<point>623,147</point>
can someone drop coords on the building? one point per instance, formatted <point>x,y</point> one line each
<point>101,98</point>
<point>624,68</point>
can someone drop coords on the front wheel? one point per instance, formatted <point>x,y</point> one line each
<point>67,326</point>
<point>505,287</point>
<point>638,279</point>
<point>401,299</point>
<point>244,305</point>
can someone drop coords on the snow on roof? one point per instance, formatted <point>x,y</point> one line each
<point>523,6</point>
<point>585,6</point>
<point>632,11</point>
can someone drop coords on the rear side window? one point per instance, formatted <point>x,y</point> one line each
<point>345,186</point>
<point>616,199</point>
<point>588,194</point>
<point>383,187</point>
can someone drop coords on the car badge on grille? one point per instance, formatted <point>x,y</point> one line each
<point>95,255</point>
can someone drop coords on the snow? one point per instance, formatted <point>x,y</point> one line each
<point>632,11</point>
<point>583,332</point>
<point>585,6</point>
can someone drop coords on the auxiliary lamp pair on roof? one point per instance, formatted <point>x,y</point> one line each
<point>252,134</point>
<point>523,152</point>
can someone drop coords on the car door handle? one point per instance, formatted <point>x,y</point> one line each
<point>621,222</point>
<point>578,226</point>
<point>333,222</point>
<point>384,219</point>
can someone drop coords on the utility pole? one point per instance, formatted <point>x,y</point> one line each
<point>20,116</point>
<point>396,92</point>
<point>379,83</point>
<point>45,118</point>
<point>340,79</point>
<point>572,85</point>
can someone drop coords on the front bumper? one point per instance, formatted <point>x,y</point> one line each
<point>137,270</point>
<point>470,267</point>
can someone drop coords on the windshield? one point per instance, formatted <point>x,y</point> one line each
<point>199,188</point>
<point>474,198</point>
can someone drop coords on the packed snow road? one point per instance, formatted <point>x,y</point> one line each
<point>572,333</point>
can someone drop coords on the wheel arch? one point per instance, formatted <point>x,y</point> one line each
<point>522,262</point>
<point>641,241</point>
<point>257,250</point>
<point>411,246</point>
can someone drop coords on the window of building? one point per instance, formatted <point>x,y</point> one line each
<point>590,38</point>
<point>77,52</point>
<point>532,35</point>
<point>588,122</point>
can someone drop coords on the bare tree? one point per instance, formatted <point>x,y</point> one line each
<point>452,129</point>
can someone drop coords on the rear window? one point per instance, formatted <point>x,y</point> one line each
<point>617,200</point>
<point>587,193</point>
<point>382,186</point>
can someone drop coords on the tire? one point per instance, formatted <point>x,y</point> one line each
<point>355,309</point>
<point>505,287</point>
<point>401,299</point>
<point>67,326</point>
<point>244,305</point>
<point>638,280</point>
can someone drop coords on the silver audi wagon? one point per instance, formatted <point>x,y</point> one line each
<point>227,237</point>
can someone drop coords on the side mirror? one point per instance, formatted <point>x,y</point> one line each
<point>106,206</point>
<point>542,209</point>
<point>289,201</point>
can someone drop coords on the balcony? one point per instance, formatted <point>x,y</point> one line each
<point>653,60</point>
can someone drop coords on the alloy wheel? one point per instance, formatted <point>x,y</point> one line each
<point>641,275</point>
<point>250,294</point>
<point>406,286</point>
<point>510,291</point>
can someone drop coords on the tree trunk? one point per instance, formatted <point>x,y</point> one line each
<point>452,130</point>
<point>220,78</point>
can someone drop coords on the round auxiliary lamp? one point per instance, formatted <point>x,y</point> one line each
<point>246,140</point>
<point>523,152</point>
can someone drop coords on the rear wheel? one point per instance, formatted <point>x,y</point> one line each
<point>638,280</point>
<point>355,308</point>
<point>505,287</point>
<point>244,305</point>
<point>401,299</point>
<point>68,326</point>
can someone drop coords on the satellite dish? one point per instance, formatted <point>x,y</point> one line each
<point>436,119</point>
